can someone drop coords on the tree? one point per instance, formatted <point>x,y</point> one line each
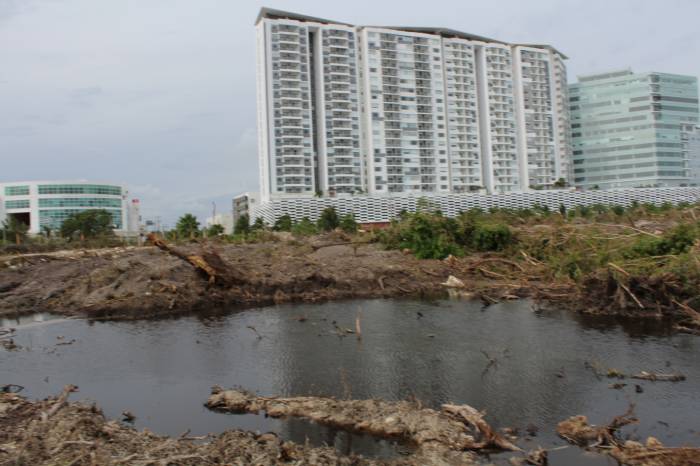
<point>284,223</point>
<point>304,227</point>
<point>258,225</point>
<point>560,183</point>
<point>242,225</point>
<point>187,226</point>
<point>328,220</point>
<point>348,224</point>
<point>13,227</point>
<point>215,230</point>
<point>88,224</point>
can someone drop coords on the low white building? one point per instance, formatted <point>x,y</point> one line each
<point>245,204</point>
<point>44,205</point>
<point>225,220</point>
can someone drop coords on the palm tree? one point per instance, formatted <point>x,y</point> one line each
<point>16,228</point>
<point>187,226</point>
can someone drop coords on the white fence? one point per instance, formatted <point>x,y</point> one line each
<point>375,209</point>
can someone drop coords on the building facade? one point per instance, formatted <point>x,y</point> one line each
<point>346,110</point>
<point>245,204</point>
<point>690,138</point>
<point>627,129</point>
<point>44,205</point>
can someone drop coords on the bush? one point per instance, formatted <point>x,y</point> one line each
<point>242,226</point>
<point>676,241</point>
<point>90,224</point>
<point>284,223</point>
<point>491,237</point>
<point>328,220</point>
<point>348,224</point>
<point>304,227</point>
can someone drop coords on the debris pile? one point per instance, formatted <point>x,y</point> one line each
<point>606,439</point>
<point>449,436</point>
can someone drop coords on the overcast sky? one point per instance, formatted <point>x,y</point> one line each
<point>160,94</point>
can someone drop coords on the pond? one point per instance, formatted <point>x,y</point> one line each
<point>436,352</point>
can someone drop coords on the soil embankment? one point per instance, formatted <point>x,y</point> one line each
<point>148,282</point>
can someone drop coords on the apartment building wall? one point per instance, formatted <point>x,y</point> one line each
<point>690,138</point>
<point>395,111</point>
<point>626,128</point>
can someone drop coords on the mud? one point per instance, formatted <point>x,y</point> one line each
<point>78,434</point>
<point>442,437</point>
<point>146,282</point>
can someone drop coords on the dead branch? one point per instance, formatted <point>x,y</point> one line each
<point>475,419</point>
<point>60,402</point>
<point>644,375</point>
<point>212,265</point>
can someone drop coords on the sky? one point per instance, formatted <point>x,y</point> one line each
<point>160,94</point>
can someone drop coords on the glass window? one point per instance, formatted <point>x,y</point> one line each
<point>80,189</point>
<point>17,204</point>
<point>16,190</point>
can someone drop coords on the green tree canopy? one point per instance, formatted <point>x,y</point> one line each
<point>14,228</point>
<point>258,225</point>
<point>328,220</point>
<point>88,224</point>
<point>215,230</point>
<point>242,226</point>
<point>187,226</point>
<point>304,227</point>
<point>284,223</point>
<point>348,224</point>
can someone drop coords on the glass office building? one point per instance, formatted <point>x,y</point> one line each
<point>46,205</point>
<point>626,129</point>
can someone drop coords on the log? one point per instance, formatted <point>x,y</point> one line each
<point>209,263</point>
<point>644,375</point>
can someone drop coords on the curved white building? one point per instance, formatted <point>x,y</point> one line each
<point>46,204</point>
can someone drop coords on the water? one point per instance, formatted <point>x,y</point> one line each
<point>162,370</point>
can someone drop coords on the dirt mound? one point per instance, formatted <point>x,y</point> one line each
<point>441,437</point>
<point>148,282</point>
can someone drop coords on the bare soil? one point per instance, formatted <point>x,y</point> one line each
<point>147,282</point>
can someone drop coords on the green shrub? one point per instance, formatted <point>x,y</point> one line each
<point>676,241</point>
<point>304,227</point>
<point>284,223</point>
<point>348,224</point>
<point>328,220</point>
<point>491,237</point>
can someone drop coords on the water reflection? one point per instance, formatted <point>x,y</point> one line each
<point>436,353</point>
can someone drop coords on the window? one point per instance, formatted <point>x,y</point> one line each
<point>80,189</point>
<point>16,190</point>
<point>17,204</point>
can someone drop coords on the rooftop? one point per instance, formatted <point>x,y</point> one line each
<point>270,13</point>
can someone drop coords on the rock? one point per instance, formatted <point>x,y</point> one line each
<point>454,282</point>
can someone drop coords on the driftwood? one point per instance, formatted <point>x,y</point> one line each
<point>60,402</point>
<point>604,439</point>
<point>659,377</point>
<point>454,430</point>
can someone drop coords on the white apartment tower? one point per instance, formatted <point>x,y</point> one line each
<point>349,109</point>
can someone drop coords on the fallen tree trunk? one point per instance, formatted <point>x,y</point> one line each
<point>208,263</point>
<point>454,430</point>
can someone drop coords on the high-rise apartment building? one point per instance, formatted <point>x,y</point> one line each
<point>349,109</point>
<point>626,128</point>
<point>690,139</point>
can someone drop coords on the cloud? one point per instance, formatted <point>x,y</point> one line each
<point>161,95</point>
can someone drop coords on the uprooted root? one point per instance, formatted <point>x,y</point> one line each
<point>448,433</point>
<point>605,439</point>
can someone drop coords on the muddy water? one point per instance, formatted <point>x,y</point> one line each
<point>162,370</point>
